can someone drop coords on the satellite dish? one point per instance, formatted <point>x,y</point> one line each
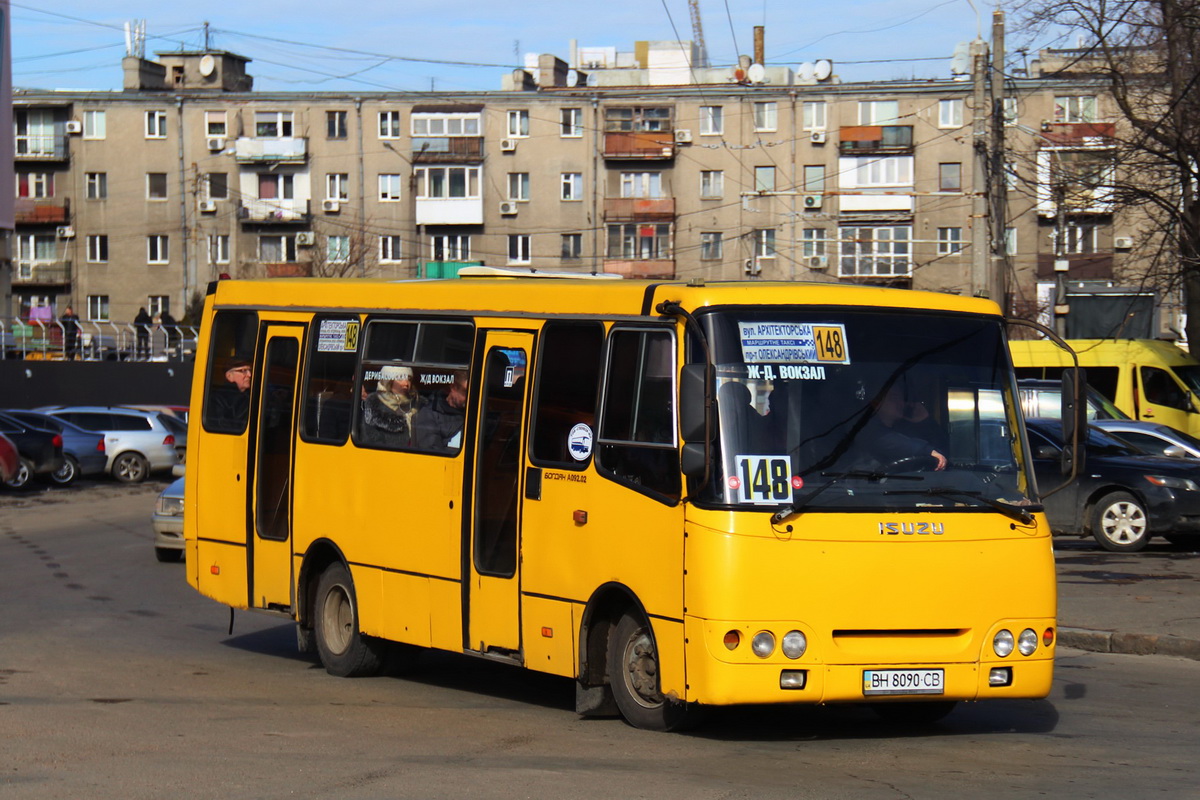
<point>805,71</point>
<point>960,62</point>
<point>208,65</point>
<point>739,75</point>
<point>823,69</point>
<point>757,73</point>
<point>572,78</point>
<point>593,79</point>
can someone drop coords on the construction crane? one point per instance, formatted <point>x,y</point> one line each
<point>698,31</point>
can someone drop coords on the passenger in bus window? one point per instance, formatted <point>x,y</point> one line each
<point>438,426</point>
<point>898,432</point>
<point>231,400</point>
<point>389,411</point>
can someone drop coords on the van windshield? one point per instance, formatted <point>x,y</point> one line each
<point>837,408</point>
<point>1190,375</point>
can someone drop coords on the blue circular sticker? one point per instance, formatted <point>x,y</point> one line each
<point>580,442</point>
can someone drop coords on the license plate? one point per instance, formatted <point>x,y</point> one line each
<point>903,681</point>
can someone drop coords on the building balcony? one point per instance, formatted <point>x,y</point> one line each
<point>288,269</point>
<point>447,149</point>
<point>41,147</point>
<point>640,145</point>
<point>1077,135</point>
<point>876,139</point>
<point>654,269</point>
<point>1080,266</point>
<point>28,211</point>
<point>41,273</point>
<point>274,210</point>
<point>449,210</point>
<point>287,150</point>
<point>639,209</point>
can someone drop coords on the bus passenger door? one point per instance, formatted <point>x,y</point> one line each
<point>271,551</point>
<point>492,602</point>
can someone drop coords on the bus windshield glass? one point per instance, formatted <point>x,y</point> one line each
<point>863,410</point>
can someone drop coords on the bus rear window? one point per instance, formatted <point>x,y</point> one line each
<point>230,369</point>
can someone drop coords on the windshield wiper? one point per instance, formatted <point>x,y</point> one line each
<point>1020,513</point>
<point>788,511</point>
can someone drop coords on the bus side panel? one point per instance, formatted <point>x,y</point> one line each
<point>368,589</point>
<point>445,615</point>
<point>405,611</point>
<point>221,572</point>
<point>548,636</point>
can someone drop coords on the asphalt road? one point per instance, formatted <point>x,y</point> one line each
<point>118,681</point>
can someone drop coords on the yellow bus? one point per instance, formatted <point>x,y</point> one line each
<point>681,495</point>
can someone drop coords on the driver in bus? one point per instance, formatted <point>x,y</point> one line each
<point>897,432</point>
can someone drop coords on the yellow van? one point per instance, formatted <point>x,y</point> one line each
<point>1148,379</point>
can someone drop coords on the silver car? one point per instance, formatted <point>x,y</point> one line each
<point>1152,437</point>
<point>168,523</point>
<point>137,442</point>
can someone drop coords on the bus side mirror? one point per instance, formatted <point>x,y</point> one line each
<point>692,459</point>
<point>692,403</point>
<point>1074,404</point>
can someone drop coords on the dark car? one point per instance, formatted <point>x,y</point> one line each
<point>10,460</point>
<point>41,450</point>
<point>1122,497</point>
<point>84,453</point>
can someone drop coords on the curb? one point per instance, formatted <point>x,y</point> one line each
<point>1140,644</point>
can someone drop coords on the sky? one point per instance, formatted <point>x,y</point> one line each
<point>469,45</point>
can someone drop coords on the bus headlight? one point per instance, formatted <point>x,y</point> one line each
<point>1002,643</point>
<point>1027,642</point>
<point>794,644</point>
<point>763,644</point>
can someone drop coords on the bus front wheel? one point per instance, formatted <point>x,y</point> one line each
<point>633,673</point>
<point>344,650</point>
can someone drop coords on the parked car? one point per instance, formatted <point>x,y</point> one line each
<point>168,523</point>
<point>41,451</point>
<point>137,442</point>
<point>178,412</point>
<point>1152,437</point>
<point>10,459</point>
<point>1122,497</point>
<point>83,451</point>
<point>1042,399</point>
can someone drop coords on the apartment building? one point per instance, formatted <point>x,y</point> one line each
<point>138,198</point>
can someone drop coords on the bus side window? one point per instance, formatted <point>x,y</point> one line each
<point>230,367</point>
<point>329,387</point>
<point>637,426</point>
<point>568,386</point>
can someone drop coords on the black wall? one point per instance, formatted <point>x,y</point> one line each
<point>27,384</point>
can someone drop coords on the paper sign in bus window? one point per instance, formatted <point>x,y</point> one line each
<point>338,336</point>
<point>793,343</point>
<point>765,480</point>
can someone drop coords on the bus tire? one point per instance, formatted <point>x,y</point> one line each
<point>633,674</point>
<point>344,650</point>
<point>1120,524</point>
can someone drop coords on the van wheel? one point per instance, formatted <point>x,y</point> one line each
<point>633,674</point>
<point>22,476</point>
<point>130,468</point>
<point>1120,524</point>
<point>67,473</point>
<point>344,650</point>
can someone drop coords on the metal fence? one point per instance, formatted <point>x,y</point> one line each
<point>52,340</point>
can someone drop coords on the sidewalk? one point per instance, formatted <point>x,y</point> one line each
<point>1139,603</point>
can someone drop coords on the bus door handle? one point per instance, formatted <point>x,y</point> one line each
<point>533,483</point>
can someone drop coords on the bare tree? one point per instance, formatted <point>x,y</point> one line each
<point>344,251</point>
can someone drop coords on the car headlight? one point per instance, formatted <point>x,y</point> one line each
<point>1003,643</point>
<point>169,506</point>
<point>1168,482</point>
<point>763,644</point>
<point>794,644</point>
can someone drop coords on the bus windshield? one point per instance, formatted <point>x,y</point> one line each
<point>862,410</point>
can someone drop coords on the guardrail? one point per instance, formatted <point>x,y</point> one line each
<point>51,340</point>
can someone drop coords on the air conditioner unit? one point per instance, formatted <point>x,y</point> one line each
<point>306,238</point>
<point>508,145</point>
<point>753,267</point>
<point>817,137</point>
<point>1122,242</point>
<point>508,208</point>
<point>683,136</point>
<point>74,126</point>
<point>817,262</point>
<point>216,144</point>
<point>813,202</point>
<point>65,232</point>
<point>208,206</point>
<point>331,206</point>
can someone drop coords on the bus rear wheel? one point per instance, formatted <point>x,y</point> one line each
<point>344,650</point>
<point>633,674</point>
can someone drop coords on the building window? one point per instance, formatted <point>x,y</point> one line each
<point>766,116</point>
<point>275,187</point>
<point>949,241</point>
<point>277,249</point>
<point>711,245</point>
<point>950,177</point>
<point>158,249</point>
<point>391,248</point>
<point>447,182</point>
<point>35,133</point>
<point>389,124</point>
<point>95,185</point>
<point>1012,112</point>
<point>215,123</point>
<point>876,171</point>
<point>764,179</point>
<point>712,184</point>
<point>35,184</point>
<point>634,119</point>
<point>1010,241</point>
<point>814,177</point>
<point>1080,237</point>
<point>572,246</point>
<point>813,242</point>
<point>518,186</point>
<point>1075,109</point>
<point>813,114</point>
<point>156,124</point>
<point>641,184</point>
<point>97,307</point>
<point>94,125</point>
<point>950,113</point>
<point>156,186</point>
<point>337,186</point>
<point>444,124</point>
<point>216,185</point>
<point>518,249</point>
<point>335,125</point>
<point>273,124</point>
<point>158,304</point>
<point>97,248</point>
<point>639,241</point>
<point>764,243</point>
<point>572,186</point>
<point>218,249</point>
<point>518,122</point>
<point>571,122</point>
<point>712,120</point>
<point>876,251</point>
<point>878,112</point>
<point>450,247</point>
<point>389,188</point>
<point>337,249</point>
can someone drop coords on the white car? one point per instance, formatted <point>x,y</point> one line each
<point>168,523</point>
<point>1156,439</point>
<point>137,442</point>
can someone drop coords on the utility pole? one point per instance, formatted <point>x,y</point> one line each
<point>999,171</point>
<point>980,250</point>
